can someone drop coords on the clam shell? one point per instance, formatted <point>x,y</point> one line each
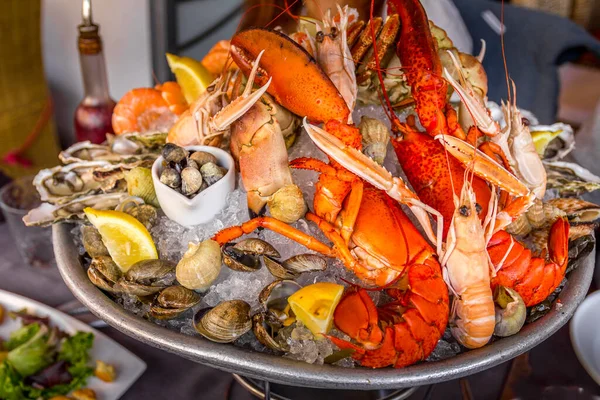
<point>257,246</point>
<point>275,294</point>
<point>240,260</point>
<point>173,153</point>
<point>200,265</point>
<point>224,323</point>
<point>277,270</point>
<point>211,172</point>
<point>173,301</point>
<point>104,273</point>
<point>202,157</point>
<point>305,263</point>
<point>152,272</point>
<point>262,331</point>
<point>92,242</point>
<point>191,181</point>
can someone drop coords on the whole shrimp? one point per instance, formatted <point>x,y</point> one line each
<point>333,54</point>
<point>467,267</point>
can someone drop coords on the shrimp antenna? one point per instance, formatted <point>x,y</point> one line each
<point>502,30</point>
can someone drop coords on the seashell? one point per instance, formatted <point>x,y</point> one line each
<point>275,295</point>
<point>211,173</point>
<point>202,157</point>
<point>170,177</point>
<point>173,301</point>
<point>578,211</point>
<point>240,260</point>
<point>48,214</point>
<point>92,242</point>
<point>520,226</point>
<point>62,184</point>
<point>145,213</point>
<point>191,181</point>
<point>147,142</point>
<point>104,273</point>
<point>264,333</point>
<point>200,265</point>
<point>375,138</point>
<point>192,164</point>
<point>287,204</point>
<point>582,229</point>
<point>173,153</point>
<point>147,277</point>
<point>257,246</point>
<point>570,179</point>
<point>86,151</point>
<point>561,140</point>
<point>224,323</point>
<point>296,265</point>
<point>510,312</point>
<point>140,184</point>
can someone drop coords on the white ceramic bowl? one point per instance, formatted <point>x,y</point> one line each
<point>584,334</point>
<point>206,204</point>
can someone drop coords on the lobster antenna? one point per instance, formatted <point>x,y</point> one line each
<point>502,29</point>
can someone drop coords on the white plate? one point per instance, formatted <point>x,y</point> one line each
<point>584,334</point>
<point>128,366</point>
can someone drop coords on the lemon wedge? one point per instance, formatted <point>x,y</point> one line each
<point>191,75</point>
<point>541,139</point>
<point>314,305</point>
<point>126,239</point>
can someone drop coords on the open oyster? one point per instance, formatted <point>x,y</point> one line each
<point>61,184</point>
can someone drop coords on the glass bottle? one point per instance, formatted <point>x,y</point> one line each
<point>94,114</point>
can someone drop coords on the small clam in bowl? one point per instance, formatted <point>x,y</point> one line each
<point>205,205</point>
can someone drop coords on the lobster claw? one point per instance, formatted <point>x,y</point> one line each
<point>356,315</point>
<point>483,165</point>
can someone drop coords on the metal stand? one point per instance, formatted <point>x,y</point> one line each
<point>262,390</point>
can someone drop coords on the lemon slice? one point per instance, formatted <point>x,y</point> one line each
<point>314,305</point>
<point>542,138</point>
<point>126,239</point>
<point>191,75</point>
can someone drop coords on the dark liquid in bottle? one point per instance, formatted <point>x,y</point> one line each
<point>93,122</point>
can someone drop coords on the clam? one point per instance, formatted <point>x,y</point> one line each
<point>276,314</point>
<point>200,265</point>
<point>191,181</point>
<point>510,312</point>
<point>173,301</point>
<point>211,172</point>
<point>173,153</point>
<point>202,157</point>
<point>145,213</point>
<point>375,138</point>
<point>170,177</point>
<point>287,204</point>
<point>191,164</point>
<point>244,255</point>
<point>296,265</point>
<point>92,242</point>
<point>147,277</point>
<point>104,273</point>
<point>224,323</point>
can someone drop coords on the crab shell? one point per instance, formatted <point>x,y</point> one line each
<point>302,86</point>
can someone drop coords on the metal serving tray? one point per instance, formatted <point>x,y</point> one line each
<point>285,371</point>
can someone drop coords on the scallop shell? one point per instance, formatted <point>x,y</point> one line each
<point>200,265</point>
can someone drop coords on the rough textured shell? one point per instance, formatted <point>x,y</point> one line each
<point>375,138</point>
<point>577,210</point>
<point>200,265</point>
<point>62,184</point>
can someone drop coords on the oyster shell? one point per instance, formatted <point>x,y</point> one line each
<point>61,184</point>
<point>561,144</point>
<point>87,151</point>
<point>48,214</point>
<point>578,211</point>
<point>570,179</point>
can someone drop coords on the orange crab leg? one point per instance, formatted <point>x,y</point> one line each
<point>234,232</point>
<point>313,164</point>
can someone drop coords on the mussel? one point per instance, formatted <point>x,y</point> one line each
<point>224,323</point>
<point>200,265</point>
<point>173,301</point>
<point>104,273</point>
<point>276,313</point>
<point>244,256</point>
<point>147,277</point>
<point>294,266</point>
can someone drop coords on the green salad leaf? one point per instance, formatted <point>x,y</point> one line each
<point>11,384</point>
<point>33,355</point>
<point>75,350</point>
<point>21,335</point>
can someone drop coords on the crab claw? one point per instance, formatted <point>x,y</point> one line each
<point>483,165</point>
<point>302,87</point>
<point>367,169</point>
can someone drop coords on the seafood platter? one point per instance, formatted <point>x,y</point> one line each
<point>363,231</point>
